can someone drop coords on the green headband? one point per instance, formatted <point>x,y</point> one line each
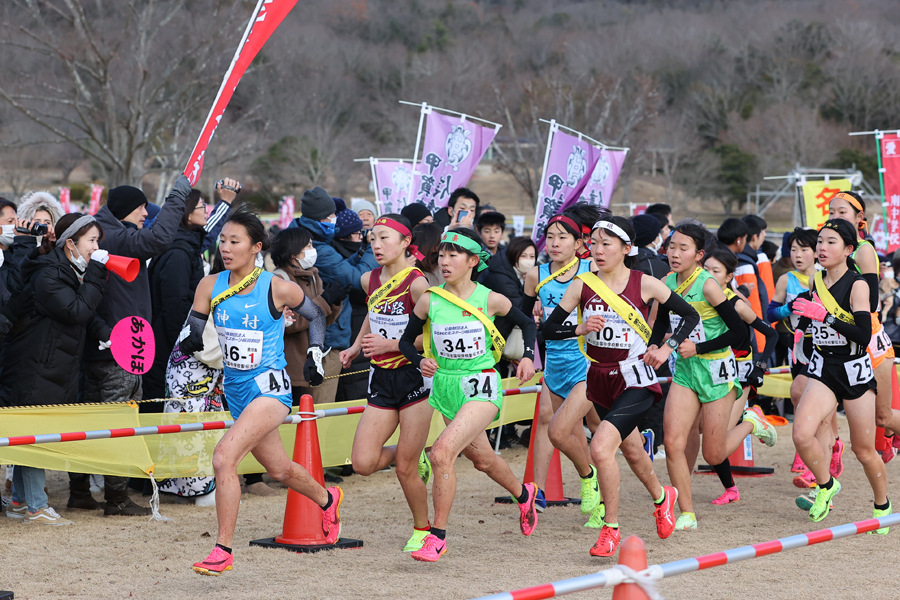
<point>469,244</point>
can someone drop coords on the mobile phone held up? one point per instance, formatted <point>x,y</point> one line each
<point>461,215</point>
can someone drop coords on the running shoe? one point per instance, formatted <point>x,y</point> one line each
<point>882,513</point>
<point>45,516</point>
<point>805,480</point>
<point>823,505</point>
<point>528,516</point>
<point>665,521</point>
<point>895,441</point>
<point>888,453</point>
<point>648,442</point>
<point>16,510</point>
<point>762,429</point>
<point>432,549</point>
<point>798,466</point>
<point>837,459</point>
<point>540,503</point>
<point>806,501</point>
<point>331,518</point>
<point>731,495</point>
<point>424,468</point>
<point>686,522</point>
<point>597,516</point>
<point>416,541</point>
<point>590,493</point>
<point>607,543</point>
<point>215,564</point>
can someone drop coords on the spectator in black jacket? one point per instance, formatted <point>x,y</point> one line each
<point>648,238</point>
<point>12,253</point>
<point>122,220</point>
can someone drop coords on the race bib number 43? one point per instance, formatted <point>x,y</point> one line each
<point>241,348</point>
<point>723,370</point>
<point>462,342</point>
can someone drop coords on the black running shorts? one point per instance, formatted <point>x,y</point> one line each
<point>849,377</point>
<point>395,389</point>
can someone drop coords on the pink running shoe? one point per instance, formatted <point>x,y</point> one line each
<point>895,441</point>
<point>528,513</point>
<point>215,564</point>
<point>665,521</point>
<point>608,542</point>
<point>798,466</point>
<point>805,480</point>
<point>888,453</point>
<point>731,495</point>
<point>331,518</point>
<point>432,549</point>
<point>837,459</point>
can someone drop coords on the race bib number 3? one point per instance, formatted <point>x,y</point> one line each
<point>390,327</point>
<point>615,334</point>
<point>460,342</point>
<point>723,370</point>
<point>859,371</point>
<point>273,382</point>
<point>637,374</point>
<point>481,386</point>
<point>698,335</point>
<point>241,348</point>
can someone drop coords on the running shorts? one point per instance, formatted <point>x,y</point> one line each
<point>628,409</point>
<point>710,378</point>
<point>797,369</point>
<point>396,389</point>
<point>563,371</point>
<point>240,392</point>
<point>849,377</point>
<point>606,382</point>
<point>451,389</point>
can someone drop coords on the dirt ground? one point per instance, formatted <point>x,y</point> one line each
<point>121,557</point>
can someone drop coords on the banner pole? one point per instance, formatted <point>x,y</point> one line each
<point>415,161</point>
<point>543,174</point>
<point>879,135</point>
<point>378,199</point>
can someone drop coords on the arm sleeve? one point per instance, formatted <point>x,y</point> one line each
<point>214,224</point>
<point>771,338</point>
<point>861,332</point>
<point>407,344</point>
<point>778,311</point>
<point>872,281</point>
<point>528,303</point>
<point>555,327</point>
<point>690,318</point>
<point>733,334</point>
<point>529,329</point>
<point>312,313</point>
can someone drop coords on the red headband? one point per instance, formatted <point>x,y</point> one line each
<point>564,219</point>
<point>402,230</point>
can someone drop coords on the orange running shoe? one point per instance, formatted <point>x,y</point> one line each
<point>608,542</point>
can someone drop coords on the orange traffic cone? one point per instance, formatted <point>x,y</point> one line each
<point>553,491</point>
<point>302,530</point>
<point>632,553</point>
<point>126,268</point>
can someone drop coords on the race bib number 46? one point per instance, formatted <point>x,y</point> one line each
<point>241,348</point>
<point>462,342</point>
<point>273,382</point>
<point>481,386</point>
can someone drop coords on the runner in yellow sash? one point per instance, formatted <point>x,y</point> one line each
<point>396,391</point>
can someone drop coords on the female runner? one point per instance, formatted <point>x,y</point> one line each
<point>851,207</point>
<point>703,384</point>
<point>396,389</point>
<point>622,385</point>
<point>466,390</point>
<point>840,368</point>
<point>565,369</point>
<point>247,304</point>
<point>721,262</point>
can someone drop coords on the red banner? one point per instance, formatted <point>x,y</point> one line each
<point>65,199</point>
<point>266,18</point>
<point>890,162</point>
<point>96,192</point>
<point>286,211</point>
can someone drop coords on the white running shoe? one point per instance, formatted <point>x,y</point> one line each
<point>46,516</point>
<point>206,499</point>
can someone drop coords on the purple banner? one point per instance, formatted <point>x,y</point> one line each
<point>599,188</point>
<point>453,148</point>
<point>392,184</point>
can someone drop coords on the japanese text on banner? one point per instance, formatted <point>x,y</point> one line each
<point>890,160</point>
<point>817,196</point>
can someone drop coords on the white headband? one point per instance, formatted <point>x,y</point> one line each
<point>619,233</point>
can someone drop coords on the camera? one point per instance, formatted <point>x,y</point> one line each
<point>36,229</point>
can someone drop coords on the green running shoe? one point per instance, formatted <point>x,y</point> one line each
<point>762,429</point>
<point>597,515</point>
<point>806,501</point>
<point>882,513</point>
<point>416,541</point>
<point>590,493</point>
<point>686,522</point>
<point>424,470</point>
<point>822,506</point>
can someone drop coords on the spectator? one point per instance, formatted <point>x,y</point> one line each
<point>427,236</point>
<point>69,276</point>
<point>491,226</point>
<point>12,253</point>
<point>756,237</point>
<point>892,314</point>
<point>506,269</point>
<point>122,220</point>
<point>733,233</point>
<point>339,272</point>
<point>366,211</point>
<point>648,239</point>
<point>39,208</point>
<point>460,211</point>
<point>417,213</point>
<point>663,213</point>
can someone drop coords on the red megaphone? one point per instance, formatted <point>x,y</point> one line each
<point>126,268</point>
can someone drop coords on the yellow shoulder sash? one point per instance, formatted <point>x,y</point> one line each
<point>236,289</point>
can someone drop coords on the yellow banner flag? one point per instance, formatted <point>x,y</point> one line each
<point>816,197</point>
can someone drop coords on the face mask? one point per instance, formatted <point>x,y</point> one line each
<point>328,227</point>
<point>333,220</point>
<point>657,243</point>
<point>888,274</point>
<point>8,236</point>
<point>309,259</point>
<point>79,262</point>
<point>524,265</point>
<point>351,246</point>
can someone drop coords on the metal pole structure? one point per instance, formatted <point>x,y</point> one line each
<point>553,128</point>
<point>879,135</point>
<point>415,161</point>
<point>453,112</point>
<point>581,135</point>
<point>378,200</point>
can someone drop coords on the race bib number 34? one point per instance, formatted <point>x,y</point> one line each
<point>481,386</point>
<point>462,342</point>
<point>241,348</point>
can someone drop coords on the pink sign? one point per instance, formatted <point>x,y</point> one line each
<point>133,345</point>
<point>392,181</point>
<point>96,193</point>
<point>599,188</point>
<point>65,199</point>
<point>890,158</point>
<point>285,211</point>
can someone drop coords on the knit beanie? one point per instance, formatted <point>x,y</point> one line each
<point>646,228</point>
<point>347,220</point>
<point>415,212</point>
<point>122,200</point>
<point>316,204</point>
<point>361,204</point>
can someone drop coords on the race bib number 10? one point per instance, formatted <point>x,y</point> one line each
<point>637,373</point>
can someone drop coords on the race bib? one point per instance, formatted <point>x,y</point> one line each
<point>462,342</point>
<point>815,364</point>
<point>241,348</point>
<point>859,371</point>
<point>744,369</point>
<point>273,382</point>
<point>697,335</point>
<point>572,319</point>
<point>723,370</point>
<point>636,373</point>
<point>823,335</point>
<point>879,344</point>
<point>481,386</point>
<point>390,327</point>
<point>616,333</point>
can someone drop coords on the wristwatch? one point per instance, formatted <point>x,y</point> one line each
<point>671,343</point>
<point>829,320</point>
<point>761,365</point>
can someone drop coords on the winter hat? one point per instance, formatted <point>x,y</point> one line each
<point>123,200</point>
<point>316,204</point>
<point>32,202</point>
<point>362,204</point>
<point>646,228</point>
<point>415,212</point>
<point>347,221</point>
